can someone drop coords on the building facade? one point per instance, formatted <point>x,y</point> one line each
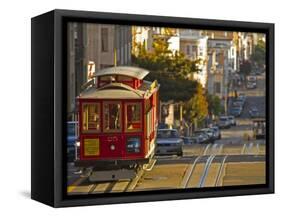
<point>92,47</point>
<point>221,65</point>
<point>195,47</point>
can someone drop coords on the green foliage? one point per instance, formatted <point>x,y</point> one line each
<point>196,109</point>
<point>161,59</point>
<point>177,89</point>
<point>259,53</point>
<point>214,105</point>
<point>161,46</point>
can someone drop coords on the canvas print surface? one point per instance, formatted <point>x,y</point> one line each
<point>156,108</point>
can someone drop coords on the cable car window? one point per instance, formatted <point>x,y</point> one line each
<point>91,117</point>
<point>112,116</point>
<point>133,117</point>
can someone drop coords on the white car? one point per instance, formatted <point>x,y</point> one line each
<point>251,85</point>
<point>232,120</point>
<point>224,122</point>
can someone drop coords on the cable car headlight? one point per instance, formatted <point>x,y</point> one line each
<point>133,144</point>
<point>112,147</point>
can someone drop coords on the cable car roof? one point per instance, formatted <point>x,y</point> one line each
<point>131,71</point>
<point>120,91</point>
<point>110,94</point>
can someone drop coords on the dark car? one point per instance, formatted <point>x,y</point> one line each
<point>254,113</point>
<point>242,97</point>
<point>239,102</point>
<point>71,140</point>
<point>203,137</point>
<point>163,126</point>
<point>191,140</point>
<point>235,111</point>
<point>217,132</point>
<point>169,142</point>
<point>210,132</point>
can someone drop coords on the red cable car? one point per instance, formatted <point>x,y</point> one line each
<point>118,117</point>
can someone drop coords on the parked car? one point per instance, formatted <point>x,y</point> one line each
<point>232,120</point>
<point>224,122</point>
<point>169,142</point>
<point>210,132</point>
<point>253,112</point>
<point>71,140</point>
<point>251,85</point>
<point>190,140</point>
<point>238,103</point>
<point>217,132</point>
<point>235,111</point>
<point>242,98</point>
<point>202,136</point>
<point>163,126</point>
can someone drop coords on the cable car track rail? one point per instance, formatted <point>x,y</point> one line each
<point>206,171</point>
<point>220,171</point>
<point>188,173</point>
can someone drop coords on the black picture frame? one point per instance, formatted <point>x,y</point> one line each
<point>48,105</point>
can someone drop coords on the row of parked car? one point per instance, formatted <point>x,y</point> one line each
<point>203,136</point>
<point>237,105</point>
<point>170,142</point>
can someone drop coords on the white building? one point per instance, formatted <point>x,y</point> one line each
<point>195,46</point>
<point>143,36</point>
<point>221,63</point>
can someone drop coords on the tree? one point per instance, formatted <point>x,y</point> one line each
<point>214,105</point>
<point>161,59</point>
<point>197,107</point>
<point>183,67</point>
<point>161,46</point>
<point>177,89</point>
<point>259,53</point>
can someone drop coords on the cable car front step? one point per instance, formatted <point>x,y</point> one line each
<point>112,175</point>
